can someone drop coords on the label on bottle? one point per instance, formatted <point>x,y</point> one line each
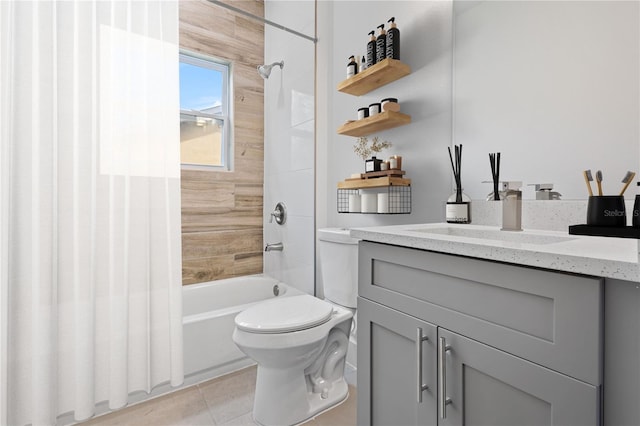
<point>371,53</point>
<point>390,47</point>
<point>351,70</point>
<point>381,49</point>
<point>458,213</point>
<point>369,166</point>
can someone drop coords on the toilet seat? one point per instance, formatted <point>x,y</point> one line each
<point>284,315</point>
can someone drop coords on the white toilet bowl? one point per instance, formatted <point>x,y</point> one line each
<point>300,344</point>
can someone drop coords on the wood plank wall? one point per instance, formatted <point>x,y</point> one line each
<point>222,211</point>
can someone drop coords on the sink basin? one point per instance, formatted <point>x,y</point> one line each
<point>496,235</point>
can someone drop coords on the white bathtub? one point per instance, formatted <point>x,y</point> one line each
<point>209,310</point>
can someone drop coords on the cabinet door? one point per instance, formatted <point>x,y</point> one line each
<point>487,386</point>
<point>396,360</point>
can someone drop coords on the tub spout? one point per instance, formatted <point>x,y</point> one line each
<point>274,247</point>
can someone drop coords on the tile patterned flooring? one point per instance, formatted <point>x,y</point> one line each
<point>224,401</point>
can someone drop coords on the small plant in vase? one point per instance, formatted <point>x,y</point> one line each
<point>364,150</point>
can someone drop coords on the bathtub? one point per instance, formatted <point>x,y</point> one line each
<point>209,310</point>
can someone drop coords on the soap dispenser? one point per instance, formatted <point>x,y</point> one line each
<point>352,67</point>
<point>381,44</point>
<point>393,40</point>
<point>371,50</point>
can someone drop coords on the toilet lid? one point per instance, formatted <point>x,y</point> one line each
<point>284,315</point>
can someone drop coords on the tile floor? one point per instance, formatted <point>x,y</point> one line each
<point>225,401</point>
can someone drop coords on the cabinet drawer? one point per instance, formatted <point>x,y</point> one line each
<point>550,318</point>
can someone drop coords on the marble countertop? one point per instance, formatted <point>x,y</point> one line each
<point>597,256</point>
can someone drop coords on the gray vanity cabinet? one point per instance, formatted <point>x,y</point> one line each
<point>491,387</point>
<point>508,345</point>
<point>396,367</point>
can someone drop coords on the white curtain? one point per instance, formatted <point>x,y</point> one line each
<point>90,214</point>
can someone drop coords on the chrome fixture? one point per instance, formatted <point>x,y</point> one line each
<point>512,206</point>
<point>274,247</point>
<point>443,348</point>
<point>280,213</point>
<point>265,70</point>
<point>544,191</point>
<point>419,340</point>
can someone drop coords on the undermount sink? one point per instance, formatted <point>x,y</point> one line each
<point>495,234</point>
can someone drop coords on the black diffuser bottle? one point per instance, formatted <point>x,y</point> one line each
<point>381,44</point>
<point>393,40</point>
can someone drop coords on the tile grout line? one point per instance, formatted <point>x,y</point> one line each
<point>206,404</point>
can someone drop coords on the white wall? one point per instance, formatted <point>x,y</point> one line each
<point>585,116</point>
<point>553,86</point>
<point>425,33</point>
<point>289,143</point>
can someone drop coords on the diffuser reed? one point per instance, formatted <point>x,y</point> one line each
<point>457,166</point>
<point>458,206</point>
<point>495,173</point>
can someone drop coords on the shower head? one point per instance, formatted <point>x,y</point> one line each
<point>265,70</point>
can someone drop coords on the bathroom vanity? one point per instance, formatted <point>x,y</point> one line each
<point>465,324</point>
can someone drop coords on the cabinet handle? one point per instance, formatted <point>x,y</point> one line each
<point>442,377</point>
<point>419,339</point>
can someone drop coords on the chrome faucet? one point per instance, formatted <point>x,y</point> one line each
<point>512,206</point>
<point>274,247</point>
<point>544,191</point>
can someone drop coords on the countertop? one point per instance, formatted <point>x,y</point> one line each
<point>597,256</point>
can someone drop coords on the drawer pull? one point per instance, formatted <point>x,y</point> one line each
<point>442,377</point>
<point>419,339</point>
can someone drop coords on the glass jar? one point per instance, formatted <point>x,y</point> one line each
<point>458,208</point>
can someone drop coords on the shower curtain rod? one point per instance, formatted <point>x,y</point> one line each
<point>266,21</point>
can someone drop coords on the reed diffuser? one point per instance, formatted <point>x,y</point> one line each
<point>458,205</point>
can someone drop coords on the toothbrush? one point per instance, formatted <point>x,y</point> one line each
<point>599,182</point>
<point>588,178</point>
<point>627,180</point>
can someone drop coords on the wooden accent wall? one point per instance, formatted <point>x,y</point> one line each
<point>222,211</point>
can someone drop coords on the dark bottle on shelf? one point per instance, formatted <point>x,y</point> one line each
<point>352,67</point>
<point>371,50</point>
<point>393,40</point>
<point>381,44</point>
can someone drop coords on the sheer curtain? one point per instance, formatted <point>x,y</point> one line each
<point>90,214</point>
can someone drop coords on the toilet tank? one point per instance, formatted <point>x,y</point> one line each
<point>339,266</point>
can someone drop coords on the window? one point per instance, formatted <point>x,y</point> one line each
<point>205,128</point>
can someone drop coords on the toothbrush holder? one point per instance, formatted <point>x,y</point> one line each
<point>606,210</point>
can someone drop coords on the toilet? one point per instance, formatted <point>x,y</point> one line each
<point>300,343</point>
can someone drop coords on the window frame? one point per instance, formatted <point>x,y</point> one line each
<point>226,143</point>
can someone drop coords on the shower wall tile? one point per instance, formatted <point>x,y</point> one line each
<point>297,15</point>
<point>302,107</point>
<point>208,256</point>
<point>302,151</point>
<point>290,145</point>
<point>200,245</point>
<point>295,189</point>
<point>222,212</point>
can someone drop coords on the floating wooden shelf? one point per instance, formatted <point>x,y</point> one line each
<point>383,173</point>
<point>380,182</point>
<point>377,75</point>
<point>383,121</point>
